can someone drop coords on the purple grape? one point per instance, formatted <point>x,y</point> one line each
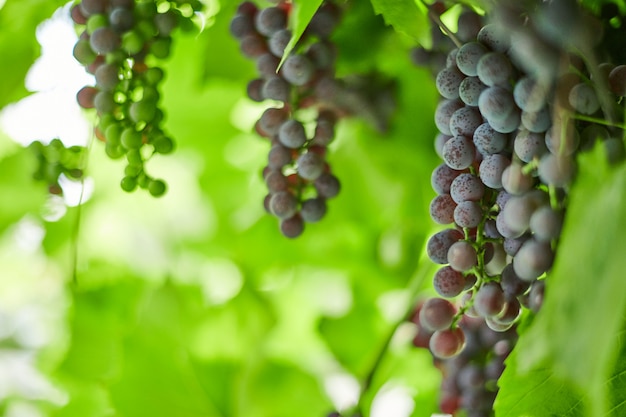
<point>494,69</point>
<point>121,19</point>
<point>469,24</point>
<point>494,38</point>
<point>107,77</point>
<point>253,45</point>
<point>276,181</point>
<point>442,209</point>
<point>468,56</point>
<point>283,204</point>
<point>468,214</point>
<point>459,152</point>
<point>535,298</point>
<point>582,97</point>
<point>617,80</point>
<point>292,227</point>
<point>530,96</point>
<point>512,285</point>
<point>436,314</point>
<point>491,169</point>
<point>272,120</point>
<point>313,209</point>
<point>297,69</point>
<point>270,20</point>
<point>464,121</point>
<point>104,40</point>
<point>266,65</point>
<point>327,185</point>
<point>448,283</point>
<point>556,170</point>
<point>448,81</point>
<point>447,343</point>
<point>439,244</point>
<point>322,55</point>
<point>279,156</point>
<point>310,166</point>
<point>512,245</point>
<point>462,256</point>
<point>496,103</point>
<point>440,140</point>
<point>519,209</point>
<point>538,121</point>
<point>561,141</point>
<point>291,134</point>
<point>508,125</point>
<point>489,300</point>
<point>241,25</point>
<point>324,20</point>
<point>488,141</point>
<point>444,111</point>
<point>253,90</point>
<point>442,178</point>
<point>515,181</point>
<point>533,259</point>
<point>529,145</point>
<point>466,187</point>
<point>278,42</point>
<point>276,88</point>
<point>470,90</point>
<point>546,223</point>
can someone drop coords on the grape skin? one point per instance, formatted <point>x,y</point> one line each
<point>448,81</point>
<point>556,170</point>
<point>470,90</point>
<point>459,152</point>
<point>617,80</point>
<point>283,204</point>
<point>439,244</point>
<point>442,209</point>
<point>291,134</point>
<point>489,300</point>
<point>104,40</point>
<point>496,103</point>
<point>436,314</point>
<point>444,111</point>
<point>488,141</point>
<point>468,214</point>
<point>448,283</point>
<point>313,209</point>
<point>464,121</point>
<point>297,69</point>
<point>519,209</point>
<point>279,156</point>
<point>442,178</point>
<point>278,42</point>
<point>270,20</point>
<point>515,181</point>
<point>272,120</point>
<point>528,145</point>
<point>508,125</point>
<point>310,166</point>
<point>582,97</point>
<point>511,284</point>
<point>275,88</point>
<point>546,223</point>
<point>491,169</point>
<point>530,96</point>
<point>561,142</point>
<point>494,69</point>
<point>447,343</point>
<point>537,122</point>
<point>327,185</point>
<point>462,256</point>
<point>494,38</point>
<point>466,187</point>
<point>533,259</point>
<point>468,56</point>
<point>292,227</point>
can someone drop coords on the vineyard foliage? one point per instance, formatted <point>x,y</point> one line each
<point>194,304</point>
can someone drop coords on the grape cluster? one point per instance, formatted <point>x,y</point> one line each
<point>509,134</point>
<point>469,377</point>
<point>298,177</point>
<point>118,40</point>
<point>55,160</point>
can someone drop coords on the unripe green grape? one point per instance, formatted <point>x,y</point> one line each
<point>143,180</point>
<point>113,133</point>
<point>161,48</point>
<point>166,22</point>
<point>163,144</point>
<point>96,21</point>
<point>153,76</point>
<point>122,19</point>
<point>113,151</point>
<point>131,139</point>
<point>133,156</point>
<point>132,42</point>
<point>157,188</point>
<point>133,170</point>
<point>146,9</point>
<point>129,183</point>
<point>142,111</point>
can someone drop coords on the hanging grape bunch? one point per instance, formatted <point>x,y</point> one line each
<point>119,41</point>
<point>54,160</point>
<point>520,98</point>
<point>298,177</point>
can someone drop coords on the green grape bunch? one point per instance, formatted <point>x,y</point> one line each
<point>118,42</point>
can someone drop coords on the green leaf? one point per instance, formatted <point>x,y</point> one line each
<point>300,17</point>
<point>586,294</point>
<point>403,15</point>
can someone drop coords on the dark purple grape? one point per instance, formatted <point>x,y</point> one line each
<point>546,223</point>
<point>325,129</point>
<point>121,19</point>
<point>291,134</point>
<point>529,145</point>
<point>533,259</point>
<point>489,300</point>
<point>617,80</point>
<point>283,204</point>
<point>496,104</point>
<point>447,343</point>
<point>448,81</point>
<point>494,38</point>
<point>266,65</point>
<point>556,170</point>
<point>104,40</point>
<point>512,285</point>
<point>469,24</point>
<point>442,178</point>
<point>273,119</point>
<point>468,56</point>
<point>83,53</point>
<point>535,298</point>
<point>85,97</point>
<point>324,20</point>
<point>442,209</point>
<point>470,90</point>
<point>464,121</point>
<point>276,181</point>
<point>242,25</point>
<point>508,125</point>
<point>466,187</point>
<point>270,20</point>
<point>254,90</point>
<point>297,69</point>
<point>327,185</point>
<point>322,55</point>
<point>494,68</point>
<point>448,283</point>
<point>436,314</point>
<point>444,111</point>
<point>459,152</point>
<point>292,227</point>
<point>253,45</point>
<point>468,214</point>
<point>279,156</point>
<point>310,166</point>
<point>488,141</point>
<point>462,256</point>
<point>107,77</point>
<point>313,209</point>
<point>439,244</point>
<point>91,7</point>
<point>279,41</point>
<point>520,208</point>
<point>276,88</point>
<point>491,169</point>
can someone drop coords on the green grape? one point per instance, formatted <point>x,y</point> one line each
<point>153,76</point>
<point>161,48</point>
<point>129,183</point>
<point>114,151</point>
<point>142,111</point>
<point>132,42</point>
<point>157,188</point>
<point>113,133</point>
<point>131,139</point>
<point>134,158</point>
<point>83,52</point>
<point>133,170</point>
<point>163,145</point>
<point>96,21</point>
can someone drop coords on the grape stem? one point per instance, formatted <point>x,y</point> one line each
<point>435,18</point>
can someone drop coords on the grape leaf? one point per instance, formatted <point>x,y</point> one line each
<point>575,332</point>
<point>403,15</point>
<point>300,17</point>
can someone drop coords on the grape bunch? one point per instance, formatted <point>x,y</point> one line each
<point>469,377</point>
<point>55,160</point>
<point>510,128</point>
<point>118,42</point>
<point>297,175</point>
